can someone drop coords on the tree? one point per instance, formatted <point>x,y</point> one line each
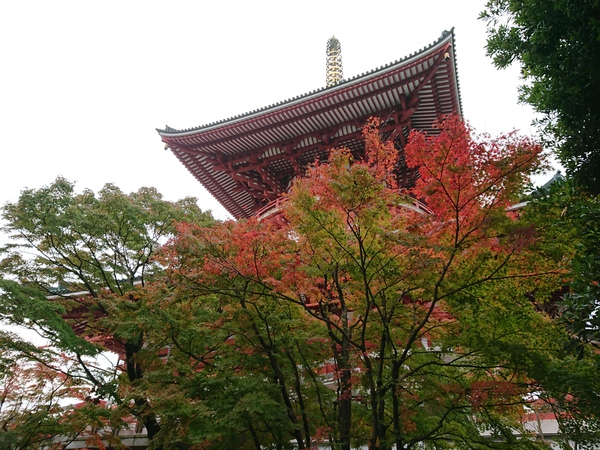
<point>375,317</point>
<point>417,291</point>
<point>428,315</point>
<point>569,222</point>
<point>36,401</point>
<point>77,270</point>
<point>581,307</point>
<point>571,227</point>
<point>246,360</point>
<point>557,45</point>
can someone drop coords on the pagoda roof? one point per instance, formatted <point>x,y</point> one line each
<point>249,160</point>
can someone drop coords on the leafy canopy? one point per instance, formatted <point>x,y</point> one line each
<point>557,44</point>
<point>76,272</point>
<point>370,318</point>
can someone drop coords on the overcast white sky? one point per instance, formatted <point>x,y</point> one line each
<point>84,84</point>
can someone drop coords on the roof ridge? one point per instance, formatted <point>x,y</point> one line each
<point>443,36</point>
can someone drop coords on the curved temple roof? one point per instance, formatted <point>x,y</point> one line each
<point>249,160</point>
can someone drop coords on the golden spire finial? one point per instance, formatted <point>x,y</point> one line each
<point>334,62</point>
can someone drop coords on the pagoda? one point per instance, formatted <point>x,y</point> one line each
<point>247,162</point>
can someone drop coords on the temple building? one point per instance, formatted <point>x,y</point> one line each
<point>246,162</point>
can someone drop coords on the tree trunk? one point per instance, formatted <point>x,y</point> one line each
<point>142,408</point>
<point>345,384</point>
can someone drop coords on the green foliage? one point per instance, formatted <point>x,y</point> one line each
<point>246,359</point>
<point>582,303</point>
<point>570,224</point>
<point>370,319</point>
<point>34,409</point>
<point>88,242</point>
<point>571,221</point>
<point>77,272</point>
<point>557,45</point>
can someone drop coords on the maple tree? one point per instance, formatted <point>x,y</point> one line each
<point>246,360</point>
<point>421,305</point>
<point>37,402</point>
<point>375,316</point>
<point>570,230</point>
<point>77,268</point>
<point>416,287</point>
